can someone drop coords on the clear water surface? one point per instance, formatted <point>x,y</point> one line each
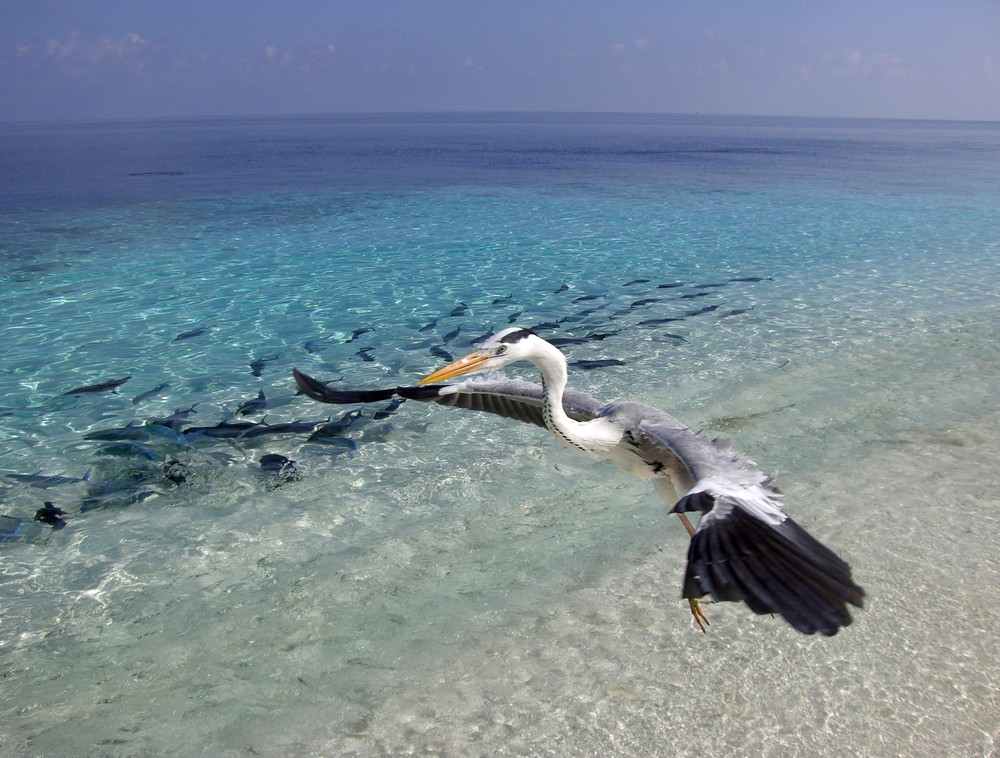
<point>444,582</point>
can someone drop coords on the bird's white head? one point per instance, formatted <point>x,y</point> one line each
<point>503,348</point>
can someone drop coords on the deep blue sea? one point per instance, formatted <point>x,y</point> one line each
<point>435,581</point>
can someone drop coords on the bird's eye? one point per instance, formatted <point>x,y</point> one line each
<point>501,350</point>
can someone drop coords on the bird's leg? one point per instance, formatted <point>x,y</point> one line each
<point>687,524</point>
<point>698,613</point>
<point>696,603</point>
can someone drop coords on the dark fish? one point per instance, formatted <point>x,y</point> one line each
<point>439,352</point>
<point>693,295</point>
<point>132,431</point>
<point>669,286</point>
<point>735,312</point>
<point>388,410</point>
<point>499,300</point>
<point>560,341</point>
<point>257,365</point>
<point>452,334</point>
<point>600,363</point>
<point>428,326</point>
<point>279,469</point>
<point>128,450</point>
<point>645,301</point>
<point>635,281</point>
<point>710,285</point>
<point>460,309</point>
<point>289,427</point>
<point>349,445</point>
<point>331,429</point>
<point>585,298</point>
<point>256,405</point>
<point>225,430</point>
<point>149,393</point>
<point>658,321</point>
<point>479,338</point>
<point>358,332</point>
<point>51,514</point>
<point>116,496</point>
<point>102,387</point>
<point>545,325</point>
<point>706,309</point>
<point>675,337</point>
<point>514,317</point>
<point>174,420</point>
<point>562,288</point>
<point>314,345</point>
<point>752,279</point>
<point>598,335</point>
<point>365,354</point>
<point>44,481</point>
<point>193,333</point>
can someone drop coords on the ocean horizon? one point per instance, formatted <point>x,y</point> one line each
<point>823,291</point>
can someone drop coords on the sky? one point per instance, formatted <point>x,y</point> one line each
<point>64,60</point>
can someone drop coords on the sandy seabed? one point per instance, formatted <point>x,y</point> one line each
<point>596,673</point>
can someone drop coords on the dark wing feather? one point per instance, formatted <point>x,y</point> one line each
<point>499,395</point>
<point>773,568</point>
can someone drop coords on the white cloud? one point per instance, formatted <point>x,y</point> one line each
<point>95,51</point>
<point>618,48</point>
<point>855,63</point>
<point>642,43</point>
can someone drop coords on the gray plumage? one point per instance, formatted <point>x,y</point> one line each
<point>744,548</point>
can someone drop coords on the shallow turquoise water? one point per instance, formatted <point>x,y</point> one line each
<point>847,276</point>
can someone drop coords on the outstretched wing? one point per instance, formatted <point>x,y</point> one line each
<point>496,394</point>
<point>745,547</point>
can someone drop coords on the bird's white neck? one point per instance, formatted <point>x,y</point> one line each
<point>595,436</point>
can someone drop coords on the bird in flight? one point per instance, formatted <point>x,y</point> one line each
<point>743,548</point>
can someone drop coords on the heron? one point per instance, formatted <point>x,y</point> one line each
<point>744,547</point>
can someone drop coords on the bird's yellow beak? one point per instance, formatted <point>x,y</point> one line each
<point>471,362</point>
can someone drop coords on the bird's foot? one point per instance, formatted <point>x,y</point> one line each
<point>698,613</point>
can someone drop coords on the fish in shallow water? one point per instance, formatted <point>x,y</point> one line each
<point>329,430</point>
<point>279,470</point>
<point>150,393</point>
<point>358,332</point>
<point>257,365</point>
<point>111,384</point>
<point>256,405</point>
<point>589,365</point>
<point>44,481</point>
<point>132,431</point>
<point>225,430</point>
<point>197,332</point>
<point>289,427</point>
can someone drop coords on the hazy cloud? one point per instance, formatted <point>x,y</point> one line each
<point>855,63</point>
<point>77,48</point>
